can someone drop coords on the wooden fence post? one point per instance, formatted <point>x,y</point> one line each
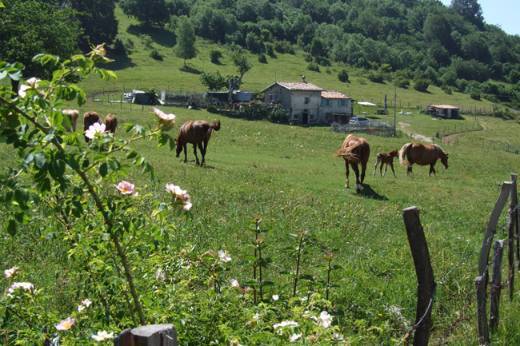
<point>152,335</point>
<point>483,331</point>
<point>424,271</point>
<point>511,225</point>
<point>496,285</point>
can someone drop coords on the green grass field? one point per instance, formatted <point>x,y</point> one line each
<point>289,176</point>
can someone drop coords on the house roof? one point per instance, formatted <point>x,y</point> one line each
<point>444,106</point>
<point>333,95</point>
<point>297,86</point>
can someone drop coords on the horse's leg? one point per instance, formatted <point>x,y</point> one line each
<point>409,169</point>
<point>195,152</point>
<point>381,169</point>
<point>203,152</point>
<point>204,148</point>
<point>432,169</point>
<point>375,167</point>
<point>185,149</point>
<point>363,171</point>
<point>346,174</point>
<point>392,167</point>
<point>355,167</point>
<point>386,169</point>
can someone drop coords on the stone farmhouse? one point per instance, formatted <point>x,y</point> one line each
<point>307,103</point>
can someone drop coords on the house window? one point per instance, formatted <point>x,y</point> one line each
<point>307,100</point>
<point>324,102</point>
<point>342,102</point>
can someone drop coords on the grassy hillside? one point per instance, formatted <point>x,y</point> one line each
<point>140,71</point>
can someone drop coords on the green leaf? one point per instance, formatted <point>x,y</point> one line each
<point>3,74</point>
<point>16,75</point>
<point>40,160</point>
<point>103,169</point>
<point>2,4</point>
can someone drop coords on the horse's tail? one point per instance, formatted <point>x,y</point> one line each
<point>403,153</point>
<point>347,153</point>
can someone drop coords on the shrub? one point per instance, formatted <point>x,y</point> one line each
<point>343,76</point>
<point>270,50</point>
<point>447,89</point>
<point>119,48</point>
<point>215,55</point>
<point>147,41</point>
<point>308,58</point>
<point>154,54</point>
<point>212,109</point>
<point>323,61</point>
<point>402,82</point>
<point>313,67</point>
<point>475,95</point>
<point>421,85</point>
<point>278,115</point>
<point>461,84</point>
<point>262,59</point>
<point>283,47</point>
<point>376,77</point>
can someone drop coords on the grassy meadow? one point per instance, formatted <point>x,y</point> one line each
<point>289,176</point>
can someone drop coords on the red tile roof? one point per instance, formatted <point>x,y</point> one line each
<point>333,95</point>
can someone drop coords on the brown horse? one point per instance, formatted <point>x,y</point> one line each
<point>198,133</point>
<point>355,150</point>
<point>89,119</point>
<point>422,154</point>
<point>110,123</point>
<point>72,115</point>
<point>385,159</point>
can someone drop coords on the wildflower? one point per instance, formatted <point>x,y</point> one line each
<point>103,335</point>
<point>234,283</point>
<point>94,130</point>
<point>66,324</point>
<point>325,319</point>
<point>99,52</point>
<point>26,286</point>
<point>9,273</point>
<point>180,195</point>
<point>85,303</point>
<point>294,337</point>
<point>338,337</point>
<point>31,83</point>
<point>160,275</point>
<point>275,297</point>
<point>224,256</point>
<point>165,119</point>
<point>126,188</point>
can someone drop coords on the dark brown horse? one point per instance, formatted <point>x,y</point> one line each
<point>385,159</point>
<point>198,133</point>
<point>110,123</point>
<point>355,150</point>
<point>422,154</point>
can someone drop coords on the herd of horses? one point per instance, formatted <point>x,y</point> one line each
<point>355,150</point>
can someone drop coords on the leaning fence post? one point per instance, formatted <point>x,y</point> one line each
<point>511,236</point>
<point>496,285</point>
<point>424,271</point>
<point>152,335</point>
<point>483,331</point>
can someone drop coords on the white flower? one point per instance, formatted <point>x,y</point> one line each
<point>160,275</point>
<point>338,337</point>
<point>26,286</point>
<point>31,83</point>
<point>180,195</point>
<point>275,297</point>
<point>256,317</point>
<point>126,188</point>
<point>285,324</point>
<point>66,324</point>
<point>94,130</point>
<point>325,319</point>
<point>103,335</point>
<point>164,118</point>
<point>9,273</point>
<point>224,256</point>
<point>234,283</point>
<point>85,303</point>
<point>294,337</point>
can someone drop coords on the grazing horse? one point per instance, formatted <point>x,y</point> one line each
<point>72,115</point>
<point>355,150</point>
<point>385,159</point>
<point>89,119</point>
<point>198,133</point>
<point>422,154</point>
<point>110,123</point>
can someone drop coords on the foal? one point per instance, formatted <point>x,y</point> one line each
<point>385,159</point>
<point>198,133</point>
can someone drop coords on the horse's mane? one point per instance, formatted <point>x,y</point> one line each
<point>438,147</point>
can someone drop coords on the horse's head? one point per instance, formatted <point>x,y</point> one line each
<point>178,149</point>
<point>216,125</point>
<point>444,160</point>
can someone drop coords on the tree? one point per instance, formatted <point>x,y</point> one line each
<point>29,27</point>
<point>241,63</point>
<point>318,48</point>
<point>437,28</point>
<point>469,9</point>
<point>185,40</point>
<point>149,12</point>
<point>421,85</point>
<point>343,76</point>
<point>213,81</point>
<point>98,21</point>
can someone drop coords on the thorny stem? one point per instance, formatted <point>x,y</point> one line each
<point>329,269</point>
<point>99,205</point>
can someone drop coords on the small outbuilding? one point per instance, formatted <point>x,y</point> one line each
<point>444,111</point>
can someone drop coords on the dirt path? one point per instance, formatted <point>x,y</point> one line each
<point>406,128</point>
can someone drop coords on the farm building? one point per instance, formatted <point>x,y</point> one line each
<point>307,103</point>
<point>444,111</point>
